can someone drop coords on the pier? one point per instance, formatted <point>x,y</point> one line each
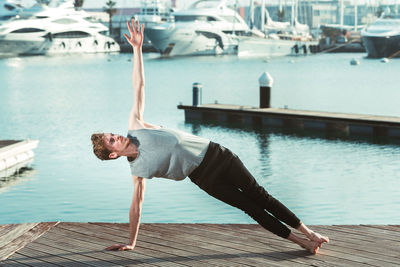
<point>83,244</point>
<point>340,123</point>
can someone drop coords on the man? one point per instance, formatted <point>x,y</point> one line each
<point>153,151</point>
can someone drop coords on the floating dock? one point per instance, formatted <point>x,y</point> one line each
<point>15,154</point>
<point>340,123</point>
<point>232,245</point>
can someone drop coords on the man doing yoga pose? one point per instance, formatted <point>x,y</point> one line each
<point>154,151</point>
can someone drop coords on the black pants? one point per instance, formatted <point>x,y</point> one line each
<point>222,175</point>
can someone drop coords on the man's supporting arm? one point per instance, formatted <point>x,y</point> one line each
<point>136,208</point>
<point>134,214</point>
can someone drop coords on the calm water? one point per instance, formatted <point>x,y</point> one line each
<point>62,100</point>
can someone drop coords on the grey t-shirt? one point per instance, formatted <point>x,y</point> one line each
<point>166,153</point>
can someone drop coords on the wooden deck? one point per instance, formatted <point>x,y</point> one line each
<point>347,124</point>
<point>82,244</point>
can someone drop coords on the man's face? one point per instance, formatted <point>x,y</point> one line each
<point>115,142</point>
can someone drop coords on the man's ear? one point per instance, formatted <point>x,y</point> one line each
<point>113,155</point>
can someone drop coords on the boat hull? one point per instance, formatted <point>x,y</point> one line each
<point>263,47</point>
<point>174,41</point>
<point>42,46</point>
<point>379,47</point>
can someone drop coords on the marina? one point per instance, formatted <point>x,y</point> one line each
<point>329,131</point>
<point>83,244</point>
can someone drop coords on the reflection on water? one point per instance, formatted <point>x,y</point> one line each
<point>15,175</point>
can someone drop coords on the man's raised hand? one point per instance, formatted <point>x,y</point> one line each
<point>136,38</point>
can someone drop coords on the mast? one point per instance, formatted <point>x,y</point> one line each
<point>341,12</point>
<point>251,17</point>
<point>292,16</point>
<point>355,15</point>
<point>262,15</point>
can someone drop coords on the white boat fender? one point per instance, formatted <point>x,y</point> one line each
<point>384,60</point>
<point>354,62</point>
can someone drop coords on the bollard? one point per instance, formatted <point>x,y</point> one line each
<point>265,82</point>
<point>197,88</point>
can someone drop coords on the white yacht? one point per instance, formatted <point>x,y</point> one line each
<point>382,38</point>
<point>152,13</point>
<point>54,30</point>
<point>278,39</point>
<point>205,28</point>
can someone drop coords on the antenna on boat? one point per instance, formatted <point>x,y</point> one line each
<point>262,16</point>
<point>251,17</point>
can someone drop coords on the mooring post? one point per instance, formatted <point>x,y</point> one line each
<point>265,81</point>
<point>197,88</point>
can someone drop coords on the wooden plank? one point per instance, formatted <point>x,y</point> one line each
<point>239,256</point>
<point>11,263</point>
<point>241,246</point>
<point>65,237</point>
<point>177,245</point>
<point>386,244</point>
<point>191,250</point>
<point>25,239</point>
<point>72,259</point>
<point>347,252</point>
<point>96,254</point>
<point>369,249</point>
<point>5,228</point>
<point>395,228</point>
<point>159,238</point>
<point>330,255</point>
<point>14,231</point>
<point>148,249</point>
<point>39,258</point>
<point>30,261</point>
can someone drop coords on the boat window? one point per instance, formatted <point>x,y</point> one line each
<point>9,7</point>
<point>27,30</point>
<point>65,21</point>
<point>186,18</point>
<point>41,17</point>
<point>6,17</point>
<point>91,19</point>
<point>231,19</point>
<point>71,34</point>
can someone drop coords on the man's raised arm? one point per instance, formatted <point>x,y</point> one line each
<point>136,120</point>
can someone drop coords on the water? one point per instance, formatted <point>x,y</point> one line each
<point>62,100</point>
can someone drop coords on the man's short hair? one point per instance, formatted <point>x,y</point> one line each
<point>99,147</point>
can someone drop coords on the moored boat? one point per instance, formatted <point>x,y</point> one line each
<point>205,28</point>
<point>55,31</point>
<point>382,38</point>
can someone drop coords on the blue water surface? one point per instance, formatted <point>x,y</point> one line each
<point>62,100</point>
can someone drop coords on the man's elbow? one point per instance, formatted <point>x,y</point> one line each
<point>138,85</point>
<point>136,211</point>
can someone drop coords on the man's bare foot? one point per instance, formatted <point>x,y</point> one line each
<point>311,246</point>
<point>312,235</point>
<point>318,238</point>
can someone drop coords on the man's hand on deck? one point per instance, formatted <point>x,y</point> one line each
<point>136,38</point>
<point>121,247</point>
